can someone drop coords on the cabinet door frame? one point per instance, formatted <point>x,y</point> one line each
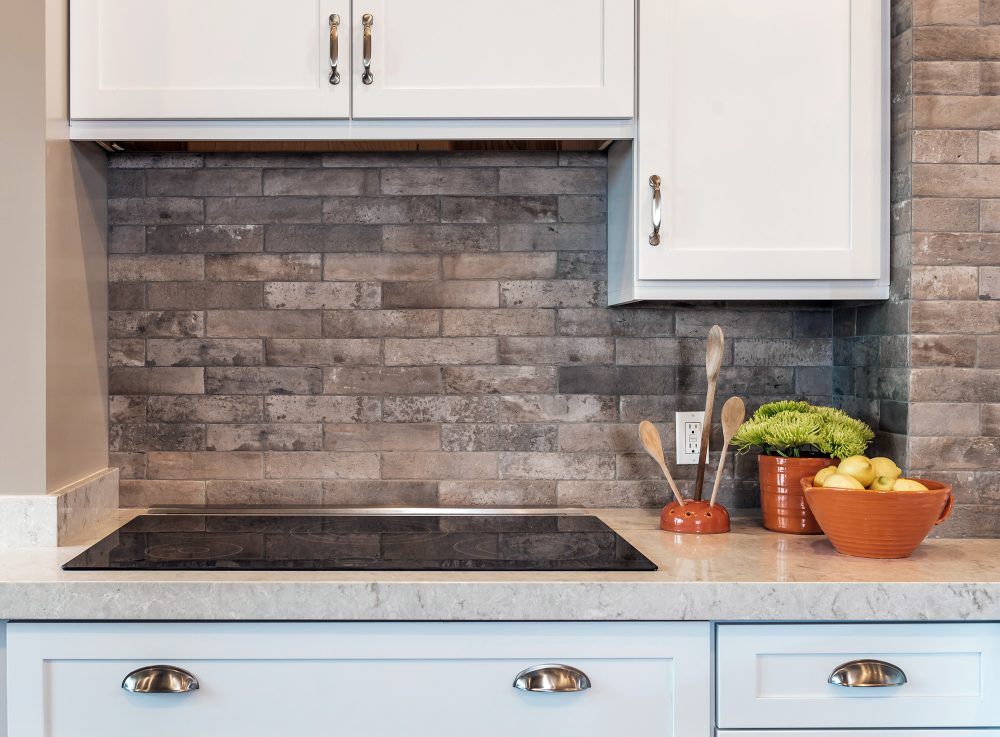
<point>863,259</point>
<point>614,100</point>
<point>90,100</point>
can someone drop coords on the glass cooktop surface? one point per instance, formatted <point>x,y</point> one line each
<point>269,542</point>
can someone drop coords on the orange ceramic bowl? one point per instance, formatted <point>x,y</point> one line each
<point>878,524</point>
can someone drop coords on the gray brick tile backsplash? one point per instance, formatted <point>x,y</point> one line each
<point>422,328</point>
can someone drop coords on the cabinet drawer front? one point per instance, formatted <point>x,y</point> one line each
<point>496,59</point>
<point>222,59</point>
<point>777,676</point>
<point>388,679</point>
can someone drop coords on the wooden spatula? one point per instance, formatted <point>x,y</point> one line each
<point>650,438</point>
<point>733,414</point>
<point>713,362</point>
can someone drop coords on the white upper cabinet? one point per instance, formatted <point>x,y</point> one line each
<point>208,59</point>
<point>494,59</point>
<point>764,123</point>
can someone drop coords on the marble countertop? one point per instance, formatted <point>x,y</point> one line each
<point>749,574</point>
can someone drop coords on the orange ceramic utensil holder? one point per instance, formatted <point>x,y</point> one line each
<point>694,516</point>
<point>879,524</point>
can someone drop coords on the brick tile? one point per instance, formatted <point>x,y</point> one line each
<point>955,317</point>
<point>612,493</point>
<point>498,322</point>
<point>263,323</point>
<point>323,352</point>
<point>346,267</point>
<point>142,493</point>
<point>439,351</point>
<point>557,466</point>
<point>944,215</point>
<point>204,352</point>
<point>506,209</point>
<point>126,352</point>
<point>380,210</point>
<point>322,238</point>
<point>132,380</point>
<point>498,158</point>
<point>421,465</point>
<point>989,147</point>
<point>990,12</point>
<point>988,352</point>
<point>153,436</point>
<point>322,295</point>
<point>440,294</point>
<point>582,265</point>
<point>205,409</point>
<point>498,379</point>
<point>945,282</point>
<point>438,181</point>
<point>155,210</point>
<point>609,380</point>
<point>382,380</point>
<point>126,409</point>
<point>989,282</point>
<point>204,465</point>
<point>258,380</point>
<point>588,321</point>
<point>553,293</point>
<point>439,238</point>
<point>956,112</point>
<point>946,12</point>
<point>955,453</point>
<point>605,437</point>
<point>497,493</point>
<point>262,210</point>
<point>263,267</point>
<point>204,295</point>
<point>130,268</point>
<point>962,249</point>
<point>558,350</point>
<point>349,160</point>
<point>385,493</point>
<point>450,409</point>
<point>321,409</point>
<point>532,180</point>
<point>126,183</point>
<point>956,43</point>
<point>665,351</point>
<point>946,77</point>
<point>478,438</point>
<point>170,239</point>
<point>265,437</point>
<point>329,182</point>
<point>782,352</point>
<point>126,239</point>
<point>989,72</point>
<point>954,385</point>
<point>937,146</point>
<point>944,418</point>
<point>943,350</point>
<point>499,266</point>
<point>381,436</point>
<point>270,160</point>
<point>381,323</point>
<point>202,182</point>
<point>583,208</point>
<point>558,408</point>
<point>554,237</point>
<point>155,161</point>
<point>272,492</point>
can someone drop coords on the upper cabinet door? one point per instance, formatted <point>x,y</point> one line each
<point>189,59</point>
<point>765,123</point>
<point>494,58</point>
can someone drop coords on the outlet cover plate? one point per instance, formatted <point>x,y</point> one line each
<point>688,430</point>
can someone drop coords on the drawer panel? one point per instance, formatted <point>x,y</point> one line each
<point>260,680</point>
<point>776,676</point>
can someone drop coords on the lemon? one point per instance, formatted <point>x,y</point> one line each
<point>882,483</point>
<point>858,467</point>
<point>908,485</point>
<point>886,467</point>
<point>823,475</point>
<point>842,481</point>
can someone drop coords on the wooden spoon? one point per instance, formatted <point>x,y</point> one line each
<point>733,414</point>
<point>713,362</point>
<point>650,438</point>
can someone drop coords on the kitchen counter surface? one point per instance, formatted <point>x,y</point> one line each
<point>749,574</point>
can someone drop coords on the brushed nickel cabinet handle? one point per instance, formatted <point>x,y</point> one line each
<point>334,48</point>
<point>867,674</point>
<point>367,20</point>
<point>160,679</point>
<point>654,238</point>
<point>552,678</point>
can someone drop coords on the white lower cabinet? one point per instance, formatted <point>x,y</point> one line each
<point>372,679</point>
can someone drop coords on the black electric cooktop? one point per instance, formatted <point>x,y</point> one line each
<point>272,542</point>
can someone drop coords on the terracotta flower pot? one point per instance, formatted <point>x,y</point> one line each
<point>781,498</point>
<point>879,524</point>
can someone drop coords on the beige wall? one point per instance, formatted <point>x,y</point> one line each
<point>53,292</point>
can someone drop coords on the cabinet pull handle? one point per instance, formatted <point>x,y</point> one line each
<point>867,674</point>
<point>366,20</point>
<point>654,238</point>
<point>334,49</point>
<point>160,679</point>
<point>552,678</point>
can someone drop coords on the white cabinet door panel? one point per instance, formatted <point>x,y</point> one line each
<point>496,59</point>
<point>377,680</point>
<point>764,120</point>
<point>190,59</point>
<point>776,676</point>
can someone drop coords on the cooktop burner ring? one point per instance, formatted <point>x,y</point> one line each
<point>194,550</point>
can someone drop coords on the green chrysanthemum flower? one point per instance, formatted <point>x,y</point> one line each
<point>791,428</point>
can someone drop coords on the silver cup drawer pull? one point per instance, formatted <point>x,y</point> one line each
<point>160,679</point>
<point>867,674</point>
<point>552,678</point>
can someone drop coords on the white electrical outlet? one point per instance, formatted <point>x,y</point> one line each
<point>689,427</point>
